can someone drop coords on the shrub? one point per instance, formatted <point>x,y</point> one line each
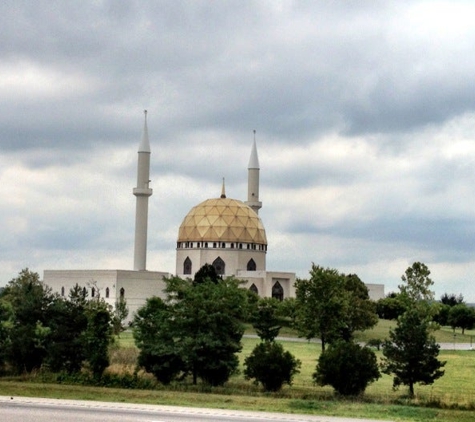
<point>271,366</point>
<point>347,367</point>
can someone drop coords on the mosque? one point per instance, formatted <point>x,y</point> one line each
<point>226,233</point>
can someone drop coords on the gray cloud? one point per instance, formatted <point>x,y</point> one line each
<point>364,112</point>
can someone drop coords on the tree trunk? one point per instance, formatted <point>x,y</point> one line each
<point>411,390</point>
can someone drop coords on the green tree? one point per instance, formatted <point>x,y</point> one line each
<point>320,304</point>
<point>411,352</point>
<point>28,299</point>
<point>5,322</point>
<point>204,327</point>
<point>288,311</point>
<point>268,363</point>
<point>67,321</point>
<point>416,289</point>
<point>209,320</point>
<point>120,314</point>
<point>265,319</point>
<point>207,273</point>
<point>271,366</point>
<point>153,330</point>
<point>451,299</point>
<point>332,306</point>
<point>461,316</point>
<point>442,315</point>
<point>97,336</point>
<point>390,307</point>
<point>360,311</point>
<point>348,367</point>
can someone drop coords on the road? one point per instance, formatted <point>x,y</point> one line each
<point>443,346</point>
<point>26,409</point>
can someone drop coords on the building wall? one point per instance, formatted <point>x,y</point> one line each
<point>235,259</point>
<point>137,285</point>
<point>265,281</point>
<point>375,291</point>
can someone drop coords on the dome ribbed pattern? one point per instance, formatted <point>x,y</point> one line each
<point>222,220</point>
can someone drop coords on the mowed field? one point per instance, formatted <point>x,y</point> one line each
<point>455,388</point>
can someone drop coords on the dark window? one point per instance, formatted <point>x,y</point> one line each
<point>277,291</point>
<point>206,244</point>
<point>254,289</point>
<point>107,292</point>
<point>93,292</point>
<point>62,291</point>
<point>187,266</point>
<point>84,291</point>
<point>219,266</point>
<point>122,293</point>
<point>251,265</point>
<point>214,244</point>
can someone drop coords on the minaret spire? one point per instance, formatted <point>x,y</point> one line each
<point>253,179</point>
<point>223,190</point>
<point>142,193</point>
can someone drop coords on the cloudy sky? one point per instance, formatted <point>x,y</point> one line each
<point>364,112</point>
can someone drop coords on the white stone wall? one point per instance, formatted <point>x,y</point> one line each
<point>265,280</point>
<point>137,285</point>
<point>235,259</point>
<point>375,291</point>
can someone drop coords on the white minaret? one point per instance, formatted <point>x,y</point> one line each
<point>142,192</point>
<point>253,180</point>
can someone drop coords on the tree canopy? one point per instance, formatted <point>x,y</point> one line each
<point>332,306</point>
<point>196,329</point>
<point>410,353</point>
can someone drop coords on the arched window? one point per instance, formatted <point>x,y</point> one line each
<point>219,266</point>
<point>254,289</point>
<point>251,265</point>
<point>62,291</point>
<point>187,266</point>
<point>107,292</point>
<point>122,293</point>
<point>277,291</point>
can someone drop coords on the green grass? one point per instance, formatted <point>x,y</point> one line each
<point>442,401</point>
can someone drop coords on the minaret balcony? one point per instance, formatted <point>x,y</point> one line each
<point>143,191</point>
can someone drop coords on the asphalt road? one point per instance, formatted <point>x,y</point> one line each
<point>25,409</point>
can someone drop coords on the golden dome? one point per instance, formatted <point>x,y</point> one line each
<point>222,220</point>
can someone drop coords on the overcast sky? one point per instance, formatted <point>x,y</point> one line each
<point>364,112</point>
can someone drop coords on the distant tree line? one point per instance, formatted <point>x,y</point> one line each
<point>450,310</point>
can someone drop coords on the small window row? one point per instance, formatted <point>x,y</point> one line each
<point>95,292</point>
<point>221,245</point>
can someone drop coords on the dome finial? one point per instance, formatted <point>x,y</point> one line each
<point>223,190</point>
